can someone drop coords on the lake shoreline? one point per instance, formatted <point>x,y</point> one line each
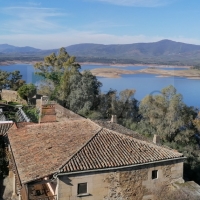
<point>136,65</point>
<point>7,63</point>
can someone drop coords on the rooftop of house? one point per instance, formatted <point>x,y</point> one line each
<point>109,149</point>
<point>119,128</point>
<point>78,145</point>
<point>40,149</point>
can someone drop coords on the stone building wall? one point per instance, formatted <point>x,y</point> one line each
<point>10,95</point>
<point>125,184</point>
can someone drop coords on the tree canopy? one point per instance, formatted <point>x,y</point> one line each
<point>11,80</point>
<point>166,114</point>
<point>27,91</point>
<point>73,89</point>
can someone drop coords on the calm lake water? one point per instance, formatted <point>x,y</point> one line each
<point>144,84</point>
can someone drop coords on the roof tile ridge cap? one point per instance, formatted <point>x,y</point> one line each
<point>72,156</point>
<point>145,142</point>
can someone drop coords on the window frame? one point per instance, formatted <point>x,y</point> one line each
<point>78,189</point>
<point>154,174</point>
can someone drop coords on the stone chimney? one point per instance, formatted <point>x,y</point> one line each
<point>114,118</point>
<point>156,139</point>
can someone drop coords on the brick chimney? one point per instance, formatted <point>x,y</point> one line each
<point>156,139</point>
<point>47,110</point>
<point>114,118</point>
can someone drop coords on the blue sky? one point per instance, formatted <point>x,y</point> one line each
<point>52,24</point>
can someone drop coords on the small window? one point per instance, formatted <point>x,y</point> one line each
<point>82,188</point>
<point>154,174</point>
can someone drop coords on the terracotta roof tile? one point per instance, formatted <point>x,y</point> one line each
<point>110,149</point>
<point>39,150</point>
<point>64,114</point>
<point>120,129</point>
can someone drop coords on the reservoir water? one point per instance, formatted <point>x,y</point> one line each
<point>144,84</point>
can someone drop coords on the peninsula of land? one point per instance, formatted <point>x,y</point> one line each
<point>116,73</point>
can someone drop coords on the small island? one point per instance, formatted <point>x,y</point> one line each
<point>116,73</point>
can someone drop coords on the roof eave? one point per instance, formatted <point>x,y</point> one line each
<point>115,168</point>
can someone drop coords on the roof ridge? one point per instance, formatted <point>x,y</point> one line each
<point>71,157</point>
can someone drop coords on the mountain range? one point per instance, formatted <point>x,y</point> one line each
<point>161,52</point>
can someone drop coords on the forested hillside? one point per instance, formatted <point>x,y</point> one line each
<point>163,52</point>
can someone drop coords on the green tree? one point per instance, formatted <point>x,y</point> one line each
<point>46,87</point>
<point>4,79</point>
<point>124,105</point>
<point>32,113</point>
<point>54,66</point>
<point>15,80</point>
<point>59,68</point>
<point>27,91</point>
<point>165,114</point>
<point>74,90</point>
<point>84,93</point>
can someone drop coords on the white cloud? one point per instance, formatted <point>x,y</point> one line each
<point>139,3</point>
<point>50,41</point>
<point>25,19</point>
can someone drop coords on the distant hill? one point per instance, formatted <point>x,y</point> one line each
<point>6,48</point>
<point>162,52</point>
<point>163,47</point>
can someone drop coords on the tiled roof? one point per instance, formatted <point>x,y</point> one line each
<point>76,145</point>
<point>39,150</point>
<point>110,149</point>
<point>64,114</point>
<point>119,128</point>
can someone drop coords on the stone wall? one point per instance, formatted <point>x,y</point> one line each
<point>125,184</point>
<point>10,95</point>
